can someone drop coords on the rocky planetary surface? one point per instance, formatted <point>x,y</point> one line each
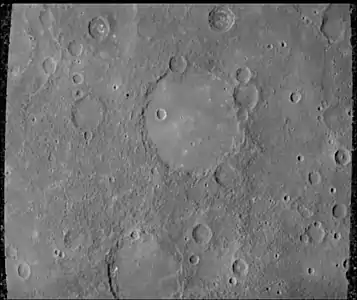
<point>178,151</point>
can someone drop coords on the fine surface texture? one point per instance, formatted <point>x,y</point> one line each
<point>178,151</point>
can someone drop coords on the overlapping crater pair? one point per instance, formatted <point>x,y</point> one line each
<point>193,122</point>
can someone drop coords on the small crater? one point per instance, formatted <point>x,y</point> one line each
<point>300,158</point>
<point>295,97</point>
<point>78,94</point>
<point>87,113</point>
<point>305,239</point>
<point>240,267</point>
<point>342,157</point>
<point>77,78</point>
<point>69,240</point>
<point>221,19</point>
<point>8,172</point>
<point>33,119</point>
<point>304,211</point>
<point>135,235</point>
<point>269,46</point>
<point>194,259</point>
<point>306,20</point>
<point>333,190</point>
<point>349,112</point>
<point>310,271</point>
<point>160,114</point>
<point>336,119</point>
<point>346,264</point>
<point>226,176</point>
<point>339,211</point>
<point>337,236</point>
<point>233,281</point>
<point>201,234</point>
<point>75,48</point>
<point>314,178</point>
<point>87,135</point>
<point>23,270</point>
<point>316,232</point>
<point>178,64</point>
<point>283,44</point>
<point>11,252</point>
<point>146,26</point>
<point>49,65</point>
<point>98,28</point>
<point>77,62</point>
<point>115,87</point>
<point>58,254</point>
<point>246,97</point>
<point>333,27</point>
<point>276,289</point>
<point>243,75</point>
<point>286,198</point>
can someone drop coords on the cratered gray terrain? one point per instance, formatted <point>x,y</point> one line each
<point>178,151</point>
